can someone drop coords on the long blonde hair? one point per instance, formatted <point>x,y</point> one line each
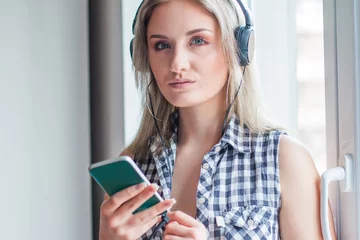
<point>247,106</point>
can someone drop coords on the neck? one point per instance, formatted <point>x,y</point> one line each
<point>202,123</point>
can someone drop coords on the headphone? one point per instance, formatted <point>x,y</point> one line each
<point>244,35</point>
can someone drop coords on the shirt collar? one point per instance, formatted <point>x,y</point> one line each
<point>236,136</point>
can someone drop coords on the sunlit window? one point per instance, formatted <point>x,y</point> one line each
<point>310,75</point>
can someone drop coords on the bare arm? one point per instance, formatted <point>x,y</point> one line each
<point>300,187</point>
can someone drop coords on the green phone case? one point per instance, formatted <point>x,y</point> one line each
<point>117,174</point>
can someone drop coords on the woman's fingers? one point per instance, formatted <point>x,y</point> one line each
<point>111,204</point>
<point>106,197</point>
<point>146,215</point>
<point>143,228</point>
<point>125,211</point>
<point>117,219</point>
<point>134,203</point>
<point>174,228</point>
<point>182,219</point>
<point>184,226</point>
<point>173,237</point>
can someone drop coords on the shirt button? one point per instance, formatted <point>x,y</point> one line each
<point>206,166</point>
<point>201,200</point>
<point>217,149</point>
<point>250,223</point>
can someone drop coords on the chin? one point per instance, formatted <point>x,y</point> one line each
<point>182,102</point>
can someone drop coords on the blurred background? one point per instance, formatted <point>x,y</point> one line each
<point>68,99</point>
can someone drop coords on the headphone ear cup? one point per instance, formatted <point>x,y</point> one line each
<point>131,47</point>
<point>245,38</point>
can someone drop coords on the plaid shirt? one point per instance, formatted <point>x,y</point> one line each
<point>238,195</point>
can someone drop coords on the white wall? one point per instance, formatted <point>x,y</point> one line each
<point>44,121</point>
<point>276,51</point>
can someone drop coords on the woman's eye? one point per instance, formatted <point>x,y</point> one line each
<point>161,46</point>
<point>198,41</point>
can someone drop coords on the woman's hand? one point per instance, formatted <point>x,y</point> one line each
<point>117,220</point>
<point>183,226</point>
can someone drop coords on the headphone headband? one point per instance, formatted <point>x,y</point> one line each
<point>246,12</point>
<point>135,18</point>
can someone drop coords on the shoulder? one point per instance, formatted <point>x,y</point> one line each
<point>300,191</point>
<point>270,136</point>
<point>295,160</point>
<point>298,173</point>
<point>267,141</point>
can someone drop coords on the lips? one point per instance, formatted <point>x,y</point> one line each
<point>180,81</point>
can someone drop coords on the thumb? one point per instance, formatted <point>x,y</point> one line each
<point>106,197</point>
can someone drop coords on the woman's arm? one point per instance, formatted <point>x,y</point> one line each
<point>300,193</point>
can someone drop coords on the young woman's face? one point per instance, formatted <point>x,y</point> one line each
<point>185,53</point>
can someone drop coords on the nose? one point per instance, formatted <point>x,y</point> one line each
<point>179,61</point>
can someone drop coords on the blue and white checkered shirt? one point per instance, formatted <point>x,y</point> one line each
<point>238,195</point>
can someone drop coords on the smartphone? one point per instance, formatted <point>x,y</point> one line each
<point>114,175</point>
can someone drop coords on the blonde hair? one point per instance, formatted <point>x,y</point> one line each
<point>247,106</point>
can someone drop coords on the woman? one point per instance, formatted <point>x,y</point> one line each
<point>244,179</point>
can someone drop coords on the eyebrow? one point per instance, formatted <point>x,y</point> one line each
<point>187,34</point>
